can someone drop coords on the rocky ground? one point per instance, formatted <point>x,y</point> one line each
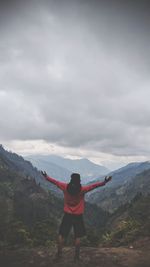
<point>138,256</point>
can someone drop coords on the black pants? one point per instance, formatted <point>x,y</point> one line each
<point>75,221</point>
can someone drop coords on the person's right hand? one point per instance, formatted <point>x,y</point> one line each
<point>44,174</point>
<point>108,178</point>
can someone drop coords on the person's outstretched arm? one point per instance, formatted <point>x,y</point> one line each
<point>60,185</point>
<point>90,187</point>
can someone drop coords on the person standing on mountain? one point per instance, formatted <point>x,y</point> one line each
<point>74,194</point>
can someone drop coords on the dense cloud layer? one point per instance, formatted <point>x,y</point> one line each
<point>76,74</point>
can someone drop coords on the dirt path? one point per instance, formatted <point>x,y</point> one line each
<point>90,257</point>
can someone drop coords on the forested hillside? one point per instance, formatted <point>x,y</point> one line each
<point>17,163</point>
<point>28,214</point>
<point>113,196</point>
<point>129,224</point>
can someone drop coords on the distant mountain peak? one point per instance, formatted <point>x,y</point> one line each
<point>88,170</point>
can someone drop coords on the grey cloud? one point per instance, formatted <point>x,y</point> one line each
<point>77,75</point>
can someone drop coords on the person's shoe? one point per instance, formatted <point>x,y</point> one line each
<point>77,254</point>
<point>57,257</point>
<point>76,259</point>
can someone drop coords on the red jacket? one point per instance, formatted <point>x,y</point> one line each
<point>74,204</point>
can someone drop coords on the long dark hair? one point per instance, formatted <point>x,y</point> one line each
<point>74,187</point>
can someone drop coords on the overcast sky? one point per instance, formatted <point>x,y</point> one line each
<point>75,79</point>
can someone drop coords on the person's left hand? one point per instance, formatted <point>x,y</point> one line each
<point>108,179</point>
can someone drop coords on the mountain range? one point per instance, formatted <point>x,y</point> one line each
<point>61,168</point>
<point>126,183</point>
<point>17,163</point>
